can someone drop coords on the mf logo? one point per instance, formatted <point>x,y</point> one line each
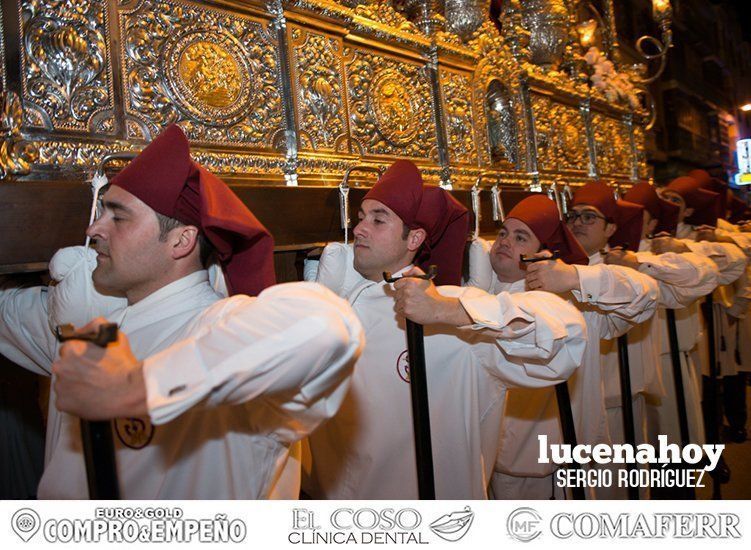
<point>523,524</point>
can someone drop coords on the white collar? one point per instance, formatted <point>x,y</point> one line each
<point>596,258</point>
<point>156,301</point>
<point>511,288</point>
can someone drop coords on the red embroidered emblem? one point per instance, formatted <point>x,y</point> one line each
<point>135,433</point>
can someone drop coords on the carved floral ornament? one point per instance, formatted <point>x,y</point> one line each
<point>219,74</point>
<point>64,53</point>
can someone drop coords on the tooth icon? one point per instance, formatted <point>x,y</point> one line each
<point>454,526</point>
<point>25,523</point>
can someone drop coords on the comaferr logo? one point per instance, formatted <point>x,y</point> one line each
<point>526,524</point>
<point>523,524</point>
<point>698,525</point>
<point>452,527</point>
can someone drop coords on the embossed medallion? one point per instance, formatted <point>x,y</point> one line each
<point>390,105</point>
<point>209,76</point>
<point>213,72</point>
<point>393,108</point>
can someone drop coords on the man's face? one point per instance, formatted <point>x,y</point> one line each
<point>590,227</point>
<point>675,198</point>
<point>380,243</point>
<point>130,256</point>
<point>514,240</point>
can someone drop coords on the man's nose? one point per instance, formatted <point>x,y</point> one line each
<point>94,231</point>
<point>359,230</point>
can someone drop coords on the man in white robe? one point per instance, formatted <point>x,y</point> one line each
<point>196,428</point>
<point>683,277</point>
<point>611,299</point>
<point>476,345</point>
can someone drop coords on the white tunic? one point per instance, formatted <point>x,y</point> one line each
<point>367,449</point>
<point>732,296</point>
<point>256,375</point>
<point>612,299</point>
<point>683,278</point>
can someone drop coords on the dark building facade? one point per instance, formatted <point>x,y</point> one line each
<point>706,82</point>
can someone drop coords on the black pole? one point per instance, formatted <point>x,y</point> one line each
<point>99,454</point>
<point>96,436</point>
<point>714,387</point>
<point>418,388</point>
<point>680,396</point>
<point>569,429</point>
<point>675,359</point>
<point>629,432</point>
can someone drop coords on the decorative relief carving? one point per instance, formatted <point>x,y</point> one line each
<point>65,61</point>
<point>3,74</point>
<point>16,154</point>
<point>69,155</point>
<point>208,76</point>
<point>217,74</point>
<point>317,60</point>
<point>390,105</point>
<point>613,147</point>
<point>464,17</point>
<point>547,22</point>
<point>382,11</point>
<point>561,136</point>
<point>641,151</point>
<point>393,108</point>
<point>497,64</point>
<point>502,125</point>
<point>213,72</point>
<point>457,94</point>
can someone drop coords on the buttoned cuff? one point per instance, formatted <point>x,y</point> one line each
<point>169,390</point>
<point>489,311</point>
<point>647,264</point>
<point>590,284</point>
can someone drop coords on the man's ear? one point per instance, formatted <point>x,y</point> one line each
<point>415,239</point>
<point>688,212</point>
<point>184,240</point>
<point>610,228</point>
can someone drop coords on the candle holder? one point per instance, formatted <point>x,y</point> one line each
<point>662,12</point>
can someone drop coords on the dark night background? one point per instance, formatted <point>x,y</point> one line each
<point>743,9</point>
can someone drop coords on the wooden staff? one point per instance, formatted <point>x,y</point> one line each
<point>96,436</point>
<point>418,388</point>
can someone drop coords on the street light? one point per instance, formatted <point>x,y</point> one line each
<point>746,108</point>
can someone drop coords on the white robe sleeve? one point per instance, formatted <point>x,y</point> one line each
<point>730,260</point>
<point>481,273</point>
<point>543,350</point>
<point>624,295</point>
<point>682,278</point>
<point>25,336</point>
<point>741,240</point>
<point>73,299</point>
<point>291,350</point>
<point>334,270</point>
<point>741,295</point>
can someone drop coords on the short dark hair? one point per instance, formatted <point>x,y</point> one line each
<point>167,224</point>
<point>405,234</point>
<point>405,231</point>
